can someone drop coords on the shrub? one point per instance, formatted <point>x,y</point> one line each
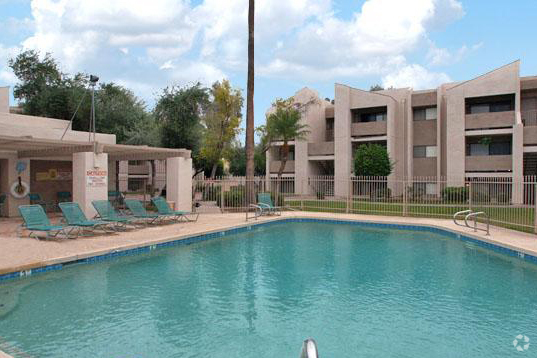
<point>381,193</point>
<point>455,194</point>
<point>504,198</point>
<point>211,192</point>
<point>233,198</point>
<point>480,196</point>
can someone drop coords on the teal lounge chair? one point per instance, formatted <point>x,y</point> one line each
<point>63,196</point>
<point>106,212</point>
<point>74,216</point>
<point>164,209</point>
<point>264,201</point>
<point>36,220</point>
<point>35,199</point>
<point>138,211</point>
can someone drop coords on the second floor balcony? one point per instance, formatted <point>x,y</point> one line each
<point>289,166</point>
<point>487,120</point>
<point>321,148</point>
<point>489,163</point>
<point>368,129</point>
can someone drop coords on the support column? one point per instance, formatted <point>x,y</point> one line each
<point>90,180</point>
<point>342,141</point>
<point>123,176</point>
<point>179,182</point>
<point>517,156</point>
<point>12,176</point>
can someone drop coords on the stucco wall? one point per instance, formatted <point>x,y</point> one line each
<point>48,189</point>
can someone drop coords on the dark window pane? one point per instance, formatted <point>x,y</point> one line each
<point>419,151</point>
<point>502,148</point>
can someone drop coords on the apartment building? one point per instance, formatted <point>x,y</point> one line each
<point>483,127</point>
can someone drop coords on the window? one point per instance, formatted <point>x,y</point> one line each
<point>329,123</point>
<point>373,117</point>
<point>495,148</point>
<point>500,103</point>
<point>291,155</point>
<point>479,149</point>
<point>423,114</point>
<point>136,162</point>
<point>479,108</point>
<point>501,148</point>
<point>425,151</point>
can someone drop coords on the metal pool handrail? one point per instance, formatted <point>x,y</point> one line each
<point>309,349</point>
<point>475,215</point>
<point>460,213</point>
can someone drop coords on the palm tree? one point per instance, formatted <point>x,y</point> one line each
<point>250,145</point>
<point>285,125</point>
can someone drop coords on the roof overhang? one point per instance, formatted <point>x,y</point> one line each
<point>28,147</point>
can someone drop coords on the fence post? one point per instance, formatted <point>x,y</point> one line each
<point>405,209</point>
<point>535,207</point>
<point>303,188</point>
<point>349,194</point>
<point>222,196</point>
<point>470,194</point>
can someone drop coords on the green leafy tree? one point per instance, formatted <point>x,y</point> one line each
<point>284,124</point>
<point>179,111</point>
<point>44,91</point>
<point>145,131</point>
<point>237,160</point>
<point>372,160</point>
<point>376,87</point>
<point>35,76</point>
<point>222,121</point>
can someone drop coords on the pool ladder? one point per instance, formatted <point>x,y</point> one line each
<point>309,349</point>
<point>469,214</point>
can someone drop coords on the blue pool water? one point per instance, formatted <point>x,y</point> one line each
<point>360,292</point>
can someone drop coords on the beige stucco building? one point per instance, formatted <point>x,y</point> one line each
<point>483,127</point>
<point>53,160</point>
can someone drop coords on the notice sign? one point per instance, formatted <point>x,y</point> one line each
<point>97,178</point>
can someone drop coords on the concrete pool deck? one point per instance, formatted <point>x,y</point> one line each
<point>19,254</point>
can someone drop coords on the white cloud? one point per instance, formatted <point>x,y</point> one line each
<point>380,34</point>
<point>442,56</point>
<point>152,44</point>
<point>414,76</point>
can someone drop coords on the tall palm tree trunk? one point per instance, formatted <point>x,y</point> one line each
<point>250,107</point>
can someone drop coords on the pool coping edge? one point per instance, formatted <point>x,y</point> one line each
<point>19,272</point>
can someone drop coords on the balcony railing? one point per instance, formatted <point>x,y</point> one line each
<point>362,129</point>
<point>490,120</point>
<point>529,118</point>
<point>489,163</point>
<point>289,166</point>
<point>321,148</point>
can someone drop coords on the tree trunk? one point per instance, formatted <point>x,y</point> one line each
<point>250,107</point>
<point>283,161</point>
<point>213,170</point>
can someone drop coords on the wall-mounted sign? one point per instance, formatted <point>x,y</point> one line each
<point>97,178</point>
<point>53,174</point>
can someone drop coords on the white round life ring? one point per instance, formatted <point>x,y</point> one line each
<point>19,190</point>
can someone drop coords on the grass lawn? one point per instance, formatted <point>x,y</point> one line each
<point>517,218</point>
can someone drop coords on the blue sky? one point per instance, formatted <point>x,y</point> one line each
<point>147,46</point>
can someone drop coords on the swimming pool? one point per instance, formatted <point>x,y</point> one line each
<point>360,291</point>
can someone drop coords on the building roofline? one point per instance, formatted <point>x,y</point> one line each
<point>482,75</point>
<point>370,92</point>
